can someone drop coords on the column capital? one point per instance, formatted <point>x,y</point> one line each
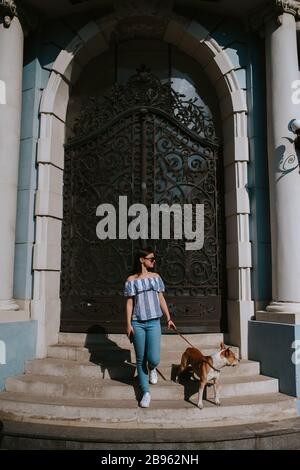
<point>12,8</point>
<point>273,10</point>
<point>8,9</point>
<point>288,6</point>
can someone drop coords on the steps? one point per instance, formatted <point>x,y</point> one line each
<point>88,380</point>
<point>162,413</point>
<point>78,388</point>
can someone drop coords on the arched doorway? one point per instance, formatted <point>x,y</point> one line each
<point>146,140</point>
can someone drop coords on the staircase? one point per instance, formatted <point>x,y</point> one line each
<point>88,381</point>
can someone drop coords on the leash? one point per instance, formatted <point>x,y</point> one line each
<point>161,374</point>
<point>176,331</point>
<point>201,360</point>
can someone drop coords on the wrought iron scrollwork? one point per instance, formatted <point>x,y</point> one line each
<point>148,142</point>
<point>144,89</point>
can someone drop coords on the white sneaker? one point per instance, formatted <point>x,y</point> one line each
<point>153,377</point>
<point>145,401</point>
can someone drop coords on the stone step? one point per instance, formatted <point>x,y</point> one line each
<point>115,341</point>
<point>125,370</point>
<point>244,368</point>
<point>100,355</point>
<point>94,353</point>
<point>65,368</point>
<point>162,413</point>
<point>164,390</point>
<point>281,434</point>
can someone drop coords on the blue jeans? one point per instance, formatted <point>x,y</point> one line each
<point>146,341</point>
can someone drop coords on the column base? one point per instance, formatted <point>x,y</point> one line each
<point>13,316</point>
<point>8,305</point>
<point>288,318</point>
<point>284,307</point>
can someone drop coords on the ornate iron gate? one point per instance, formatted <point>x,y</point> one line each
<point>145,141</point>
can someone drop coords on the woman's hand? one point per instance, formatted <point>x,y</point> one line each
<point>171,325</point>
<point>129,331</point>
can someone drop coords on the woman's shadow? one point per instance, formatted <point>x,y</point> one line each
<point>116,363</point>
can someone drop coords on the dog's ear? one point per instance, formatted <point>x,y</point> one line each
<point>222,346</point>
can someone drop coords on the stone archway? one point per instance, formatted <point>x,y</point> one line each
<point>89,42</point>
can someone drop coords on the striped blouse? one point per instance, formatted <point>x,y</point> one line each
<point>145,293</point>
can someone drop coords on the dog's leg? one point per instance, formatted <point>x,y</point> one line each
<point>183,366</point>
<point>200,395</point>
<point>217,392</point>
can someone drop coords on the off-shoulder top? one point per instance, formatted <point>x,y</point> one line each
<point>145,294</point>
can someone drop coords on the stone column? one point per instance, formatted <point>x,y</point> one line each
<point>11,64</point>
<point>284,177</point>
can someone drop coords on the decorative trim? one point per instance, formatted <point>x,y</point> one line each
<point>8,9</point>
<point>126,8</point>
<point>146,27</point>
<point>27,16</point>
<point>288,6</point>
<point>144,91</point>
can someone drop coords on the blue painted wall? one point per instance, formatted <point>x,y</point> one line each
<point>277,347</point>
<point>41,50</point>
<point>34,80</point>
<point>258,186</point>
<point>17,345</point>
<point>297,360</point>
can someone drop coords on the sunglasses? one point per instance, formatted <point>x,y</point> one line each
<point>150,259</point>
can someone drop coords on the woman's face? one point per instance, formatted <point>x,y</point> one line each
<point>148,261</point>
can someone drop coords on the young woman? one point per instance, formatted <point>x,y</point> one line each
<point>144,307</point>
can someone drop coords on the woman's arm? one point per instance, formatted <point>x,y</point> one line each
<point>129,307</point>
<point>165,310</point>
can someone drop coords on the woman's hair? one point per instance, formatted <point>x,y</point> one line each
<point>141,253</point>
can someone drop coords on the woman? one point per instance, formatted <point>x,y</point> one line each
<point>144,307</point>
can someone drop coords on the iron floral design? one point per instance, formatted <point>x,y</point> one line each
<point>144,89</point>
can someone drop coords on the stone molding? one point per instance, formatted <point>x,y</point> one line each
<point>152,15</point>
<point>126,8</point>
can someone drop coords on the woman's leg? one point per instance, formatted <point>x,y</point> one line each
<point>139,341</point>
<point>153,336</point>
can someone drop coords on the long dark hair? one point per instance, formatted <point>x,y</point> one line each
<point>142,253</point>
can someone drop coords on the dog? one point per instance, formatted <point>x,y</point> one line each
<point>207,368</point>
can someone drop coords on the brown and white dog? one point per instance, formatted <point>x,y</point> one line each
<point>207,368</point>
